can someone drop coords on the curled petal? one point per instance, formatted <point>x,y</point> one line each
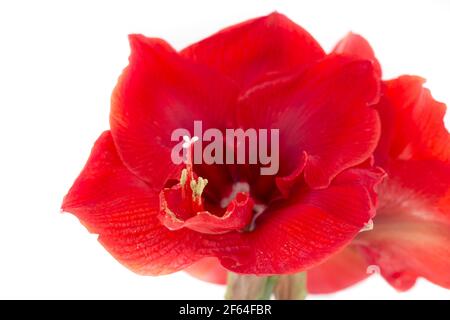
<point>413,122</point>
<point>237,216</point>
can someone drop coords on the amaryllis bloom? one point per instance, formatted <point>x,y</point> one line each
<point>411,230</point>
<point>157,217</point>
<point>411,235</point>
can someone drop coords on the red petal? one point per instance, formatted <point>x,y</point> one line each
<point>237,215</point>
<point>405,249</point>
<point>209,270</point>
<point>342,270</point>
<point>252,49</point>
<point>285,183</point>
<point>355,45</point>
<point>413,121</point>
<point>112,202</point>
<point>322,111</point>
<point>157,93</point>
<point>410,236</point>
<point>412,227</point>
<point>312,226</point>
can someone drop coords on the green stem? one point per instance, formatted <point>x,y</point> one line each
<point>291,287</point>
<point>251,287</point>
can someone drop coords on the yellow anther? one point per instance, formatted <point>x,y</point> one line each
<point>198,186</point>
<point>183,177</point>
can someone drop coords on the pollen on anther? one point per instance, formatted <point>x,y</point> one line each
<point>183,177</point>
<point>198,186</point>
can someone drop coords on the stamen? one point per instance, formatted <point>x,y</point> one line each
<point>183,177</point>
<point>198,187</point>
<point>191,187</point>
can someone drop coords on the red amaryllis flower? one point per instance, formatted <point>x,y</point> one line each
<point>411,232</point>
<point>157,217</point>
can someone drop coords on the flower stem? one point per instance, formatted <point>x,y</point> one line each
<point>291,287</point>
<point>251,287</point>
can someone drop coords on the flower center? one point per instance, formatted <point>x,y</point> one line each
<point>186,205</point>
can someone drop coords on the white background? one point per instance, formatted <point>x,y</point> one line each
<point>59,61</point>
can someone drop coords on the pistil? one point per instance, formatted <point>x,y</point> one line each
<point>191,187</point>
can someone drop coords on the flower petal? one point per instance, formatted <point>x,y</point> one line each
<point>323,111</point>
<point>122,209</point>
<point>157,93</point>
<point>209,270</point>
<point>406,249</point>
<point>236,217</point>
<point>342,270</point>
<point>252,49</point>
<point>286,183</point>
<point>412,227</point>
<point>315,224</point>
<point>355,45</point>
<point>413,122</point>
